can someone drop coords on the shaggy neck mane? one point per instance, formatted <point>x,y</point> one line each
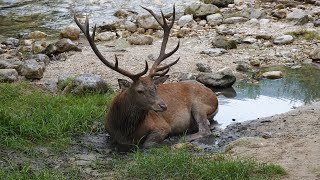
<point>125,115</point>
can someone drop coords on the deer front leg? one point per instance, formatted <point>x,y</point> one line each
<point>200,116</point>
<point>155,137</point>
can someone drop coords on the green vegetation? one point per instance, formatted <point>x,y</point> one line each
<point>164,163</point>
<point>32,118</point>
<point>305,34</point>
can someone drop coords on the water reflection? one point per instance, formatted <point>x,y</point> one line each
<point>269,97</point>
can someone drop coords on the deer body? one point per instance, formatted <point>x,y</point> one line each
<point>187,104</point>
<point>150,110</point>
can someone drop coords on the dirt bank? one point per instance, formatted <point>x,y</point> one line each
<point>291,140</point>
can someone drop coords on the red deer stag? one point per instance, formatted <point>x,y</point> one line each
<point>146,110</point>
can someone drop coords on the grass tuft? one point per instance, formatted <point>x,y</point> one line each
<point>305,34</point>
<point>165,163</point>
<point>29,115</point>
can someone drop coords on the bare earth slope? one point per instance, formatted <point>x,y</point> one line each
<point>294,142</point>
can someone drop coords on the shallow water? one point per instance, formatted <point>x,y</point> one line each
<point>269,97</point>
<point>18,16</point>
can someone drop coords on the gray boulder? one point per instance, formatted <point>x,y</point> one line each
<point>11,42</point>
<point>214,19</point>
<point>148,22</point>
<point>203,67</point>
<point>280,14</point>
<point>201,10</point>
<point>186,19</point>
<point>70,32</point>
<point>140,40</point>
<point>8,75</point>
<point>12,63</point>
<point>315,54</point>
<point>85,83</point>
<point>224,43</point>
<point>32,69</point>
<point>64,45</point>
<point>130,26</point>
<point>222,79</point>
<point>219,3</point>
<point>298,15</point>
<point>42,58</point>
<point>186,77</point>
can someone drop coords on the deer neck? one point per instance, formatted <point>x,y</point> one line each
<point>125,115</point>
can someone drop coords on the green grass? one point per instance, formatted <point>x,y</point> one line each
<point>164,163</point>
<point>31,116</point>
<point>305,34</point>
<point>26,172</point>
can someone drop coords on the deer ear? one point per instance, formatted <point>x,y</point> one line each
<point>124,84</point>
<point>160,80</point>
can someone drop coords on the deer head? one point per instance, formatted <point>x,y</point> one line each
<point>143,89</point>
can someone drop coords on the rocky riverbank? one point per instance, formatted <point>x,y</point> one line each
<point>231,38</point>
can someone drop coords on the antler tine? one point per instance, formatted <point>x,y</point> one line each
<point>162,56</point>
<point>85,29</point>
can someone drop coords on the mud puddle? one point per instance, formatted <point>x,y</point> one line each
<point>249,101</point>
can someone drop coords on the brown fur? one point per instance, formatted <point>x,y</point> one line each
<point>128,123</point>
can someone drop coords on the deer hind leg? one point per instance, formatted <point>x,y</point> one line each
<point>201,118</point>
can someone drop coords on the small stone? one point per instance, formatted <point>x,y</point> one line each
<point>200,9</point>
<point>148,22</point>
<point>202,22</point>
<point>316,23</point>
<point>255,62</point>
<point>8,75</point>
<point>222,42</point>
<point>214,19</point>
<point>273,75</point>
<point>315,54</point>
<point>284,39</point>
<point>280,14</point>
<point>106,36</point>
<point>71,32</point>
<point>140,40</point>
<point>214,52</point>
<point>249,40</point>
<point>243,67</point>
<point>235,20</point>
<point>11,42</point>
<point>222,79</point>
<point>64,45</point>
<point>130,26</point>
<point>32,69</point>
<point>186,77</point>
<point>186,19</point>
<point>203,67</point>
<point>37,35</point>
<point>121,13</point>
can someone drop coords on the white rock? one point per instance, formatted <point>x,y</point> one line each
<point>106,36</point>
<point>186,19</point>
<point>284,39</point>
<point>214,19</point>
<point>272,75</point>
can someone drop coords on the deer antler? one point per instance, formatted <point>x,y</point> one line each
<point>85,29</point>
<point>162,70</point>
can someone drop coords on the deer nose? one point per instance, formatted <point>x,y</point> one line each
<point>163,106</point>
